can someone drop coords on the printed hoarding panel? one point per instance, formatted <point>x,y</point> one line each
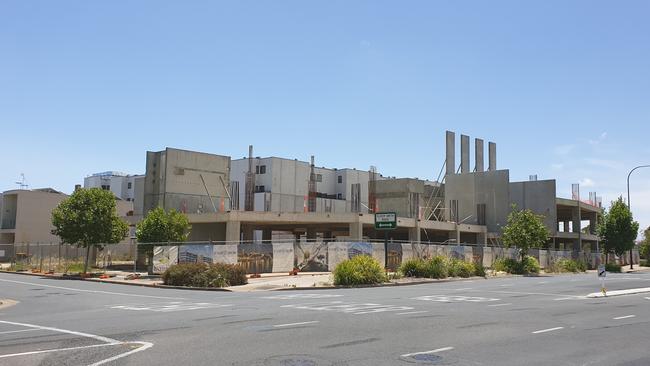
<point>164,257</point>
<point>337,252</point>
<point>283,257</point>
<point>225,253</point>
<point>311,257</point>
<point>256,258</point>
<point>195,253</point>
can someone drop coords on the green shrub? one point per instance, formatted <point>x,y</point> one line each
<point>415,267</point>
<point>644,262</point>
<point>613,267</point>
<point>567,265</point>
<point>509,265</point>
<point>437,267</point>
<point>479,270</point>
<point>460,268</point>
<point>359,270</point>
<point>530,265</point>
<point>205,275</point>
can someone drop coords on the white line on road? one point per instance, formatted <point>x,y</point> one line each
<point>412,312</point>
<point>624,317</point>
<point>107,342</point>
<point>463,289</point>
<point>647,298</point>
<point>19,331</point>
<point>93,291</point>
<point>294,324</point>
<point>547,330</point>
<point>496,305</point>
<point>428,352</point>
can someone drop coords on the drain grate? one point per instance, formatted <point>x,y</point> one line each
<point>297,362</point>
<point>427,359</point>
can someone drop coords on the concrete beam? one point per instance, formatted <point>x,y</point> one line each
<point>451,153</point>
<point>464,154</point>
<point>478,155</point>
<point>492,156</point>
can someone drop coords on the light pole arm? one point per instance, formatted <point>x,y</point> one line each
<point>629,205</point>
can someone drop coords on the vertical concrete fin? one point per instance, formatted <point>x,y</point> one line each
<point>492,156</point>
<point>451,153</point>
<point>464,154</point>
<point>478,155</point>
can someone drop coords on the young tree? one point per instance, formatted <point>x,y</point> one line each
<point>160,227</point>
<point>618,230</point>
<point>88,218</point>
<point>644,249</point>
<point>525,230</point>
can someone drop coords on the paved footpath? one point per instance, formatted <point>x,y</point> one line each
<point>507,321</point>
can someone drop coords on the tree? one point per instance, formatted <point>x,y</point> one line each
<point>618,230</point>
<point>525,230</point>
<point>644,249</point>
<point>161,227</point>
<point>88,218</point>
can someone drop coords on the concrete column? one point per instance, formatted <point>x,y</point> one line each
<point>233,230</point>
<point>566,226</point>
<point>451,153</point>
<point>464,154</point>
<point>455,235</point>
<point>492,156</point>
<point>593,223</point>
<point>575,221</point>
<point>478,155</point>
<point>267,235</point>
<point>481,239</point>
<point>356,231</point>
<point>414,233</point>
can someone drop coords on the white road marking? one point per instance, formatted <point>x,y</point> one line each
<point>301,296</point>
<point>538,293</point>
<point>625,317</point>
<point>107,342</point>
<point>169,306</point>
<point>294,324</point>
<point>412,312</point>
<point>93,291</point>
<point>496,305</point>
<point>19,331</point>
<point>463,289</point>
<point>647,298</point>
<point>631,291</point>
<point>349,308</point>
<point>453,298</point>
<point>547,330</point>
<point>143,346</point>
<point>542,283</point>
<point>428,352</point>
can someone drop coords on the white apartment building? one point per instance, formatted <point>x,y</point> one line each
<point>121,184</point>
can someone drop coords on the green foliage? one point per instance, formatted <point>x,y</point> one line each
<point>613,267</point>
<point>460,268</point>
<point>414,267</point>
<point>436,267</point>
<point>567,265</point>
<point>159,226</point>
<point>644,248</point>
<point>644,263</point>
<point>88,218</point>
<point>525,230</point>
<point>618,230</point>
<point>205,275</point>
<point>509,265</point>
<point>359,270</point>
<point>479,270</point>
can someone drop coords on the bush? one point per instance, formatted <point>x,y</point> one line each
<point>509,265</point>
<point>359,270</point>
<point>205,275</point>
<point>460,268</point>
<point>479,270</point>
<point>644,262</point>
<point>415,267</point>
<point>436,267</point>
<point>613,267</point>
<point>568,265</point>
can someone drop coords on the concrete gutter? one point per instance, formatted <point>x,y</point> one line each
<point>7,303</point>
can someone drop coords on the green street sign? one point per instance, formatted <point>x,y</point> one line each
<point>385,220</point>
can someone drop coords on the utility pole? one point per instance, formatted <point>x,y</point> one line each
<point>629,206</point>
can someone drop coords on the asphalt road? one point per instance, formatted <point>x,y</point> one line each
<point>507,321</point>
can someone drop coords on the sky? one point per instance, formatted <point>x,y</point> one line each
<point>562,87</point>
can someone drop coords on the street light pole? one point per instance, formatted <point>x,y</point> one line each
<point>629,205</point>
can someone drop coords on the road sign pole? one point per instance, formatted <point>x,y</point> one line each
<point>386,249</point>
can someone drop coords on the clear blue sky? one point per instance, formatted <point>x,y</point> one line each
<point>563,87</point>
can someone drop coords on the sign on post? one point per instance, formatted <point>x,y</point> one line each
<point>602,273</point>
<point>385,220</point>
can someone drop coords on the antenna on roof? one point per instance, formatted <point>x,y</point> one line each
<point>23,183</point>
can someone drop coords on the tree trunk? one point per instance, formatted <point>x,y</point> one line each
<point>87,258</point>
<point>150,262</point>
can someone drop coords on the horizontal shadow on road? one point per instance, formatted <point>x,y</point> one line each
<point>351,343</point>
